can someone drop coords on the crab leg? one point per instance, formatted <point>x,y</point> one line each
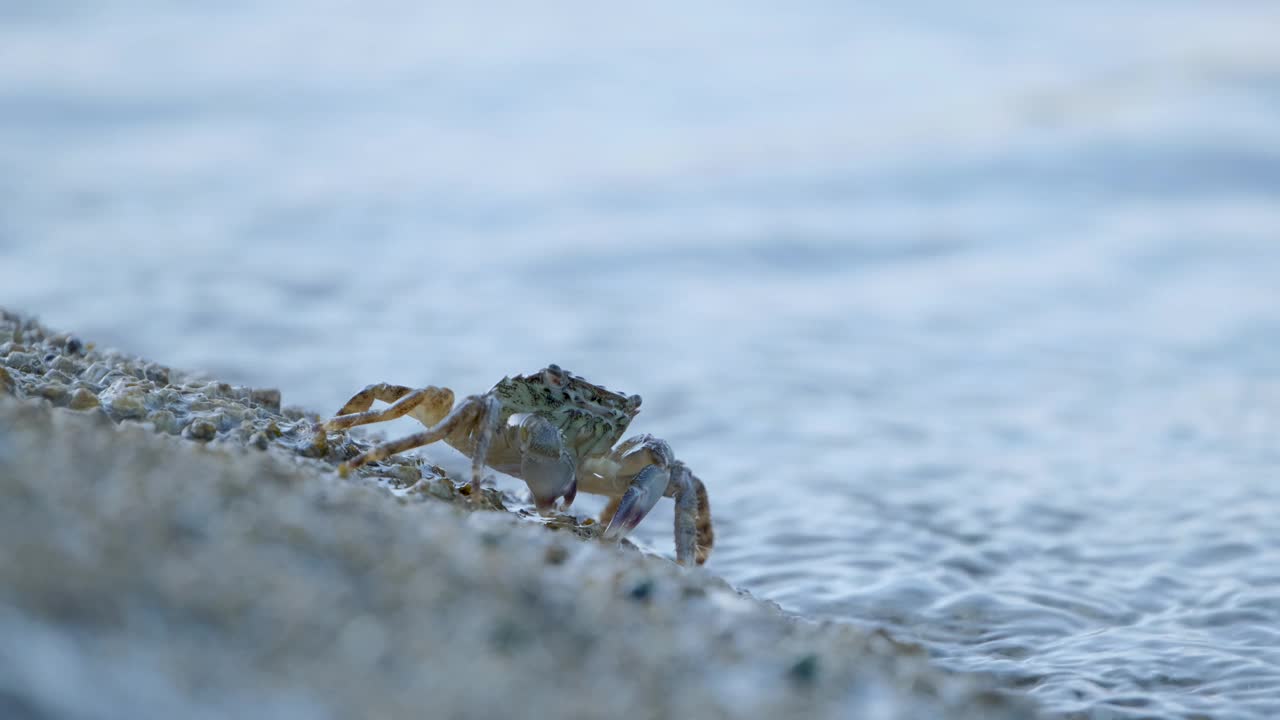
<point>479,414</point>
<point>356,412</point>
<point>694,536</point>
<point>489,411</point>
<point>644,464</point>
<point>363,400</point>
<point>643,493</point>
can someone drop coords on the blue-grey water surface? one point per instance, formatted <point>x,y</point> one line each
<point>969,316</point>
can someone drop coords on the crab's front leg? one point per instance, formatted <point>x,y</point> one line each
<point>647,467</point>
<point>641,464</point>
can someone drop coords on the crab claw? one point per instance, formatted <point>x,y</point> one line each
<point>549,479</point>
<point>545,465</point>
<point>643,493</point>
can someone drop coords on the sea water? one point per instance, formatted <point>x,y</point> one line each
<point>969,317</point>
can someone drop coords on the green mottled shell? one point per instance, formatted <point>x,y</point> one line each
<point>591,418</point>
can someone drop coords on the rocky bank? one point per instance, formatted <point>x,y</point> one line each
<point>174,547</point>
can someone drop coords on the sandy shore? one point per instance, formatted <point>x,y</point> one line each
<point>177,548</point>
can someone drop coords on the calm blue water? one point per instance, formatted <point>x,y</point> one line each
<point>970,318</point>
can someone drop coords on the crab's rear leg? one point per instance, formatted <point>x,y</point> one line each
<point>476,417</point>
<point>363,400</point>
<point>428,405</point>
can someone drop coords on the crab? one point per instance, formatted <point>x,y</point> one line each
<point>556,432</point>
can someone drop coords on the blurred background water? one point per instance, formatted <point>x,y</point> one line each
<point>969,315</point>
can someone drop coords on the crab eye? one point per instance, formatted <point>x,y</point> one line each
<point>553,376</point>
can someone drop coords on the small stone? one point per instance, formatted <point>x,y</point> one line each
<point>156,373</point>
<point>167,396</point>
<point>201,430</point>
<point>238,413</point>
<point>124,401</point>
<point>317,448</point>
<point>641,591</point>
<point>95,373</point>
<point>804,671</point>
<point>406,474</point>
<point>492,498</point>
<point>56,376</point>
<point>66,365</point>
<point>55,393</point>
<point>82,399</point>
<point>259,440</point>
<point>6,381</point>
<point>114,376</point>
<point>224,420</point>
<point>74,346</point>
<point>441,488</point>
<point>268,398</point>
<point>24,361</point>
<point>556,554</point>
<point>165,422</point>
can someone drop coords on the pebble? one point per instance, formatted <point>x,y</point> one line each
<point>95,373</point>
<point>201,430</point>
<point>56,393</point>
<point>57,376</point>
<point>441,488</point>
<point>641,591</point>
<point>556,554</point>
<point>124,401</point>
<point>158,374</point>
<point>66,365</point>
<point>804,672</point>
<point>268,398</point>
<point>406,474</point>
<point>82,399</point>
<point>165,421</point>
<point>24,361</point>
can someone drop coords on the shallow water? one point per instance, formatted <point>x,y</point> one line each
<point>970,321</point>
